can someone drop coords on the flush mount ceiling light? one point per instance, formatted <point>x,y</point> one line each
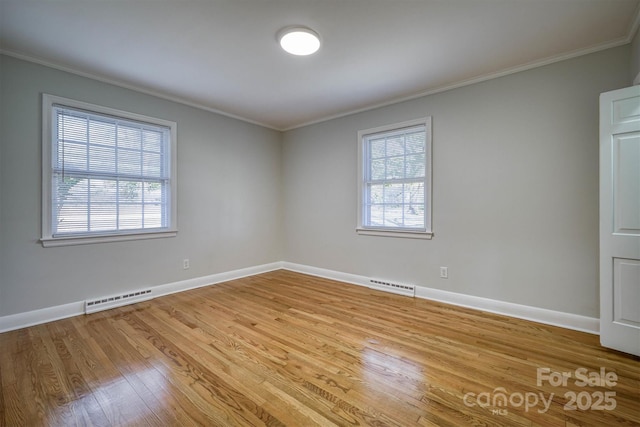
<point>299,40</point>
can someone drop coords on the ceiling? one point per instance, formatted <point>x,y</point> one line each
<point>222,55</point>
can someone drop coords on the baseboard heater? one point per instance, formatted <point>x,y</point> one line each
<point>105,303</point>
<point>396,288</point>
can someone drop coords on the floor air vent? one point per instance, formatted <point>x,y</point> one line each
<point>395,288</point>
<point>105,303</point>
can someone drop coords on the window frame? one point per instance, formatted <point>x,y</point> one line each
<point>47,237</point>
<point>364,229</point>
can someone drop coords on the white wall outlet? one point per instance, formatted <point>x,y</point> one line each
<point>185,264</point>
<point>444,272</point>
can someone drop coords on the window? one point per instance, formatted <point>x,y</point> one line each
<point>394,191</point>
<point>107,174</point>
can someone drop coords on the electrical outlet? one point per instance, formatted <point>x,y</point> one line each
<point>185,264</point>
<point>444,272</point>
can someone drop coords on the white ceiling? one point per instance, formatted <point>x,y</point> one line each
<point>222,55</point>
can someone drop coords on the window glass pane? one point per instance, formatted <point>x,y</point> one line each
<point>70,204</point>
<point>414,204</point>
<point>129,162</point>
<point>104,217</point>
<point>102,133</point>
<point>152,141</point>
<point>395,146</point>
<point>70,189</point>
<point>395,168</point>
<point>414,193</point>
<point>152,165</point>
<point>103,191</point>
<point>376,193</point>
<point>152,216</point>
<point>414,166</point>
<point>73,218</point>
<point>129,137</point>
<point>376,215</point>
<point>102,159</point>
<point>378,169</point>
<point>72,156</point>
<point>72,128</point>
<point>414,220</point>
<point>153,192</point>
<point>130,191</point>
<point>377,148</point>
<point>393,193</point>
<point>393,215</point>
<point>130,216</point>
<point>415,142</point>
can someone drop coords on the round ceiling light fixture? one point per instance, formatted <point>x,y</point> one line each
<point>299,40</point>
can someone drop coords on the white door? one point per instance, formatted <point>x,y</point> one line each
<point>620,219</point>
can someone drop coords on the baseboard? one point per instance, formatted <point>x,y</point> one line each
<point>50,314</point>
<point>327,274</point>
<point>44,315</point>
<point>198,282</point>
<point>541,315</point>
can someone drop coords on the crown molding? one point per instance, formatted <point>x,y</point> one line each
<point>130,86</point>
<point>478,79</point>
<point>631,32</point>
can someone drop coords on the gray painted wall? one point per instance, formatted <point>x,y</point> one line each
<point>515,192</point>
<point>229,198</point>
<point>515,183</point>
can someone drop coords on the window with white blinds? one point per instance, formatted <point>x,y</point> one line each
<point>394,181</point>
<point>108,173</point>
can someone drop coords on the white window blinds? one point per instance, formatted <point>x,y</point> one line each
<point>109,175</point>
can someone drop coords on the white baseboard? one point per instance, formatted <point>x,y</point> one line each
<point>541,315</point>
<point>49,314</point>
<point>327,274</point>
<point>44,315</point>
<point>526,312</point>
<point>198,282</point>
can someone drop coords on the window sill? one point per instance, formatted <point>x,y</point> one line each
<point>49,242</point>
<point>395,233</point>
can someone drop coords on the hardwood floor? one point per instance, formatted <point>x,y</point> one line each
<point>283,348</point>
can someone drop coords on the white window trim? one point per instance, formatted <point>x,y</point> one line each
<point>385,232</point>
<point>48,240</point>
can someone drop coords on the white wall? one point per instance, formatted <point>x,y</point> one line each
<point>515,181</point>
<point>229,198</point>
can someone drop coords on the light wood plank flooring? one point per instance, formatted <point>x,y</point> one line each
<point>283,348</point>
